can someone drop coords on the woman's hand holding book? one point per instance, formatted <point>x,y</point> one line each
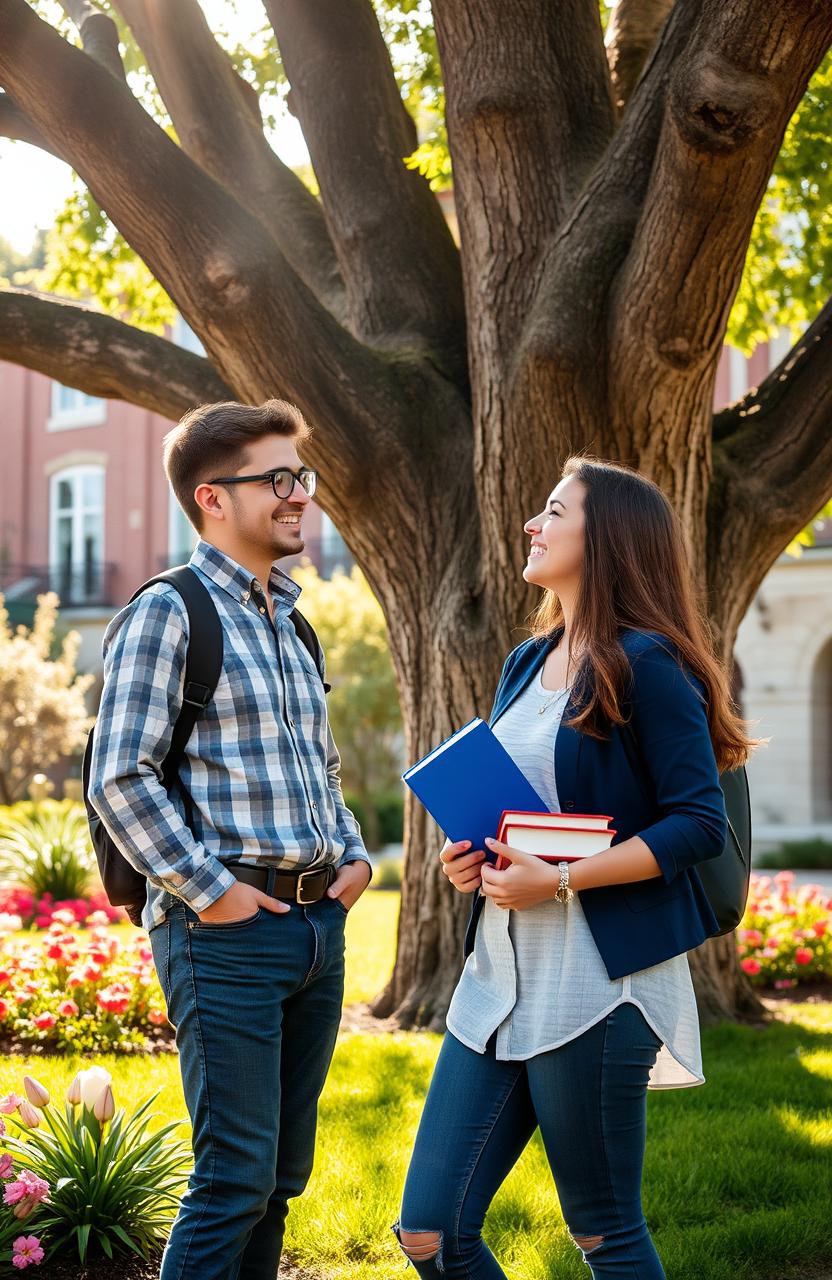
<point>462,868</point>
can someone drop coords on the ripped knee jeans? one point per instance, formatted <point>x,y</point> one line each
<point>587,1097</point>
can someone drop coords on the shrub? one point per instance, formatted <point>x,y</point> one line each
<point>47,849</point>
<point>388,874</point>
<point>812,855</point>
<point>356,808</point>
<point>64,993</point>
<point>43,715</point>
<point>390,810</point>
<point>785,936</point>
<point>114,1185</point>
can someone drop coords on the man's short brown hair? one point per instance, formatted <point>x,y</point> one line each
<point>211,440</point>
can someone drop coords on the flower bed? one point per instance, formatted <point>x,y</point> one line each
<point>785,936</point>
<point>65,992</point>
<point>20,908</point>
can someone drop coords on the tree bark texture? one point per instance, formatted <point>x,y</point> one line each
<point>605,202</point>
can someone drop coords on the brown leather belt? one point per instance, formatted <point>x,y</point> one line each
<point>294,886</point>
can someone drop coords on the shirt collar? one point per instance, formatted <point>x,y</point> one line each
<point>240,582</point>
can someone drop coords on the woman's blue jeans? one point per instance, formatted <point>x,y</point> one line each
<point>589,1099</point>
<point>256,1006</point>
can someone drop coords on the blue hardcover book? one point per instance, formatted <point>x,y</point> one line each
<point>467,781</point>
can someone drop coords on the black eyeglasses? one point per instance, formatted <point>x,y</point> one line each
<point>283,480</point>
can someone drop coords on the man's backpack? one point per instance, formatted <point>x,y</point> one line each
<point>124,885</point>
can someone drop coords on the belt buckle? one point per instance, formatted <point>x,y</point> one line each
<point>299,898</point>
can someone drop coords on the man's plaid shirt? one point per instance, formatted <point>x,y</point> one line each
<point>260,766</point>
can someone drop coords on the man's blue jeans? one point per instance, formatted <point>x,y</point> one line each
<point>256,1007</point>
<point>588,1097</point>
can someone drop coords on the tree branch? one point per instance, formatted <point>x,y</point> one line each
<point>729,100</point>
<point>397,256</point>
<point>221,267</point>
<point>102,356</point>
<point>527,94</point>
<point>633,29</point>
<point>98,32</point>
<point>772,466</point>
<point>16,125</point>
<point>217,121</point>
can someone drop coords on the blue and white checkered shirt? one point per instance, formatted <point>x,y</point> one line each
<point>260,766</point>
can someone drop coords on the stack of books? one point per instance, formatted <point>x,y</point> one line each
<point>556,837</point>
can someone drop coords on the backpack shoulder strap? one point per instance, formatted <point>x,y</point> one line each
<point>306,634</point>
<point>203,663</point>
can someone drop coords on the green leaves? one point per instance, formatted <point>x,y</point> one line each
<point>48,850</point>
<point>789,262</point>
<point>114,1187</point>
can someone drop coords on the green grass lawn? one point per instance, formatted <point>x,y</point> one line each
<point>738,1183</point>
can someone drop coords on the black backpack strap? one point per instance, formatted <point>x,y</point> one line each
<point>306,634</point>
<point>203,663</point>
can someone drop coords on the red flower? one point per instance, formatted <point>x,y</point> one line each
<point>803,956</point>
<point>819,928</point>
<point>44,1021</point>
<point>750,965</point>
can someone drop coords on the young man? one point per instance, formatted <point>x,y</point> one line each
<point>246,907</point>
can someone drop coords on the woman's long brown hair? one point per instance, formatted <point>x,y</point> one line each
<point>636,576</point>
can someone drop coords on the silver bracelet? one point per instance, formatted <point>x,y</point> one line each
<point>564,893</point>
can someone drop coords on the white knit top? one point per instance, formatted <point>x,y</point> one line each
<point>536,976</point>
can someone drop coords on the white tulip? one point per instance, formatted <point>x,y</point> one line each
<point>91,1085</point>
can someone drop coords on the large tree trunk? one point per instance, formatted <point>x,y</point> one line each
<point>603,224</point>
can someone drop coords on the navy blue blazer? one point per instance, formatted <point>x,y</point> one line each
<point>665,790</point>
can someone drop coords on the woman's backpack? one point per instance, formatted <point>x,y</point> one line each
<point>725,878</point>
<point>124,885</point>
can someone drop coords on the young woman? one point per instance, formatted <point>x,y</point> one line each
<point>576,994</point>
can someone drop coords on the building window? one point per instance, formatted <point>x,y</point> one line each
<point>184,336</point>
<point>74,408</point>
<point>76,534</point>
<point>182,536</point>
<point>822,735</point>
<point>335,555</point>
<point>738,374</point>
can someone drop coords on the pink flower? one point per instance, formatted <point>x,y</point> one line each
<point>782,984</point>
<point>803,956</point>
<point>10,1103</point>
<point>819,928</point>
<point>752,937</point>
<point>67,1008</point>
<point>156,1017</point>
<point>6,1165</point>
<point>29,1115</point>
<point>750,965</point>
<point>37,1093</point>
<point>44,1021</point>
<point>26,1252</point>
<point>784,877</point>
<point>27,1187</point>
<point>2,1127</point>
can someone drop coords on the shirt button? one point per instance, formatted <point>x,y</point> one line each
<point>314,805</point>
<point>570,804</point>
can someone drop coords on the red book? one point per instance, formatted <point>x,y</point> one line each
<point>556,837</point>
